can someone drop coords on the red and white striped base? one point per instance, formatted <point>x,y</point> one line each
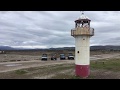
<point>82,70</point>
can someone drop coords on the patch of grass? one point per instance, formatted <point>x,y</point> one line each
<point>109,64</point>
<point>90,77</point>
<point>66,71</point>
<point>44,70</point>
<point>69,76</point>
<point>63,67</point>
<point>51,68</point>
<point>12,60</point>
<point>65,76</point>
<point>77,77</point>
<point>20,72</point>
<point>4,61</point>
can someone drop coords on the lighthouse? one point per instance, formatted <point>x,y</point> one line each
<point>82,33</point>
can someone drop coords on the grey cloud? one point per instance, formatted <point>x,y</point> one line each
<point>111,41</point>
<point>53,28</point>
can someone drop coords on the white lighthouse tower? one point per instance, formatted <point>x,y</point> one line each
<point>82,33</point>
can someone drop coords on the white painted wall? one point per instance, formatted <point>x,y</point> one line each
<point>82,44</point>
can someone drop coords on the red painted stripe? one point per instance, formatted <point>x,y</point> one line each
<point>82,70</point>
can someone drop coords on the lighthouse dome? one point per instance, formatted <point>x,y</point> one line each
<point>83,16</point>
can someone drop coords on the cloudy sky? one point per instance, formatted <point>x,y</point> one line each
<point>46,29</point>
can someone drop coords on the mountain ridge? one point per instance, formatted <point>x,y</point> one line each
<point>97,47</point>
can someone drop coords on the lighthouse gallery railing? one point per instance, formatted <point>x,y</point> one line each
<point>82,31</point>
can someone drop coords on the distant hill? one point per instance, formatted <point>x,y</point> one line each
<point>107,47</point>
<point>6,48</point>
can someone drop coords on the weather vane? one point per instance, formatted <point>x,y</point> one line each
<point>82,12</point>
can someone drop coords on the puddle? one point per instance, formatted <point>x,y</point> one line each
<point>9,65</point>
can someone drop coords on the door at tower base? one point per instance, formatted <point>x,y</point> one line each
<point>82,70</point>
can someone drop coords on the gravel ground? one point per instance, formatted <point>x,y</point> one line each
<point>34,61</point>
<point>28,61</point>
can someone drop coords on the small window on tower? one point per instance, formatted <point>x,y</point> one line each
<point>83,39</point>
